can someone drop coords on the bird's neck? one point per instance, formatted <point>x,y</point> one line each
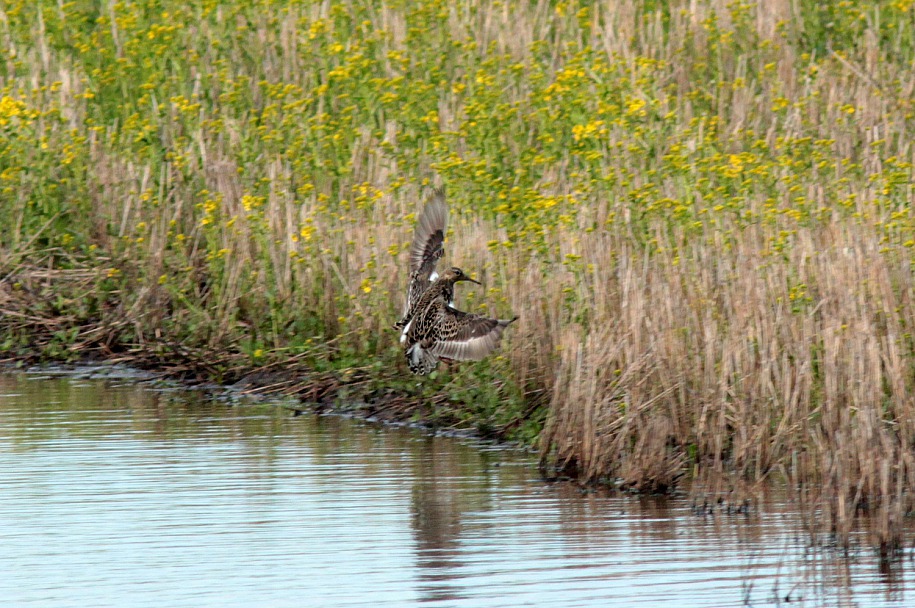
<point>446,286</point>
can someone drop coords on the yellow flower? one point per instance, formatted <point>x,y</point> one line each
<point>636,107</point>
<point>10,108</point>
<point>250,202</point>
<point>590,130</point>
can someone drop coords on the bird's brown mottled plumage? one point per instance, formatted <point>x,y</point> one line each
<point>431,329</point>
<point>427,247</point>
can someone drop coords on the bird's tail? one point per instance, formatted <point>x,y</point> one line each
<point>421,361</point>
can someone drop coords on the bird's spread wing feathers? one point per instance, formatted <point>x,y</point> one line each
<point>428,246</point>
<point>429,235</point>
<point>467,337</point>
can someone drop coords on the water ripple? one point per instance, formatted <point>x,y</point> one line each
<point>117,494</point>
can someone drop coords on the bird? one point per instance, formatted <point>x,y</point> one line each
<point>431,328</point>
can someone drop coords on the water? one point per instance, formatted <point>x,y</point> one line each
<point>122,493</point>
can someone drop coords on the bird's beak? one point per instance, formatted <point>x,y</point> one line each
<point>472,281</point>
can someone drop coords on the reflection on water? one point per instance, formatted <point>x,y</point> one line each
<point>124,494</point>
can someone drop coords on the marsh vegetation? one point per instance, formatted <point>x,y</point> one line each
<point>701,212</point>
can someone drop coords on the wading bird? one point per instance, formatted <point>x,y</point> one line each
<point>431,328</point>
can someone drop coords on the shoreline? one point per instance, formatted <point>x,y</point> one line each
<point>315,391</point>
<point>249,388</point>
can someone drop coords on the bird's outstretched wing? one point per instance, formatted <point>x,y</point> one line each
<point>427,247</point>
<point>464,336</point>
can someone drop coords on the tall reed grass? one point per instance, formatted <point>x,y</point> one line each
<point>700,210</point>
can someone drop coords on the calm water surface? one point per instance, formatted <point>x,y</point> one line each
<point>117,492</point>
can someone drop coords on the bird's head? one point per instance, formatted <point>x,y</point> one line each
<point>455,274</point>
